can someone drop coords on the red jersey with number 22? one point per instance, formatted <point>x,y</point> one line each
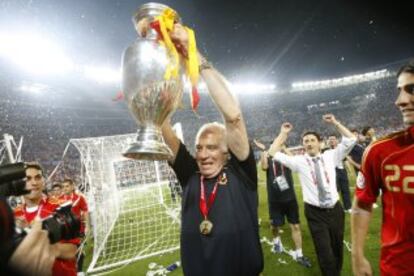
<point>388,165</point>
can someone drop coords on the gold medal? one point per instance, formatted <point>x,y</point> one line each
<point>205,227</point>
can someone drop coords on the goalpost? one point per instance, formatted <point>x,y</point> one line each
<point>10,152</point>
<point>134,205</point>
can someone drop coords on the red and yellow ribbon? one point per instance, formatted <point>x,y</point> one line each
<point>164,24</point>
<point>192,67</point>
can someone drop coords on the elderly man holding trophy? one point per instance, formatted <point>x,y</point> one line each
<point>219,230</point>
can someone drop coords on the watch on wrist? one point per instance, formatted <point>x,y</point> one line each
<point>204,64</point>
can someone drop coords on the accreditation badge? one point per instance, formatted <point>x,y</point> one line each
<point>281,183</point>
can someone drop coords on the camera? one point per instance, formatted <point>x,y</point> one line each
<point>61,225</point>
<point>12,172</point>
<point>11,179</point>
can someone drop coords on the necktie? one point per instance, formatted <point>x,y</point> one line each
<point>323,195</point>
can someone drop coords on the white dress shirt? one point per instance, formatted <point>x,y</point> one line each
<point>304,165</point>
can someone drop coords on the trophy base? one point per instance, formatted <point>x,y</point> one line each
<point>149,146</point>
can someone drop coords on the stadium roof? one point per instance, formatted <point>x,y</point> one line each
<point>268,41</point>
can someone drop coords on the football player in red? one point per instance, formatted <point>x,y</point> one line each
<point>78,201</point>
<point>79,208</point>
<point>36,204</point>
<point>388,166</point>
<point>56,190</point>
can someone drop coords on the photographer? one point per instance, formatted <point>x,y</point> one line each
<point>36,204</point>
<point>34,255</point>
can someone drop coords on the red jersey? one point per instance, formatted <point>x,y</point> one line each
<point>47,207</point>
<point>388,165</point>
<point>79,206</point>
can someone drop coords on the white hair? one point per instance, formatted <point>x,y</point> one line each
<point>213,128</point>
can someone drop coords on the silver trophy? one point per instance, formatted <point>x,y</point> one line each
<point>151,98</point>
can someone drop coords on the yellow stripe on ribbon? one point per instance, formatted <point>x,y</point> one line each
<point>192,69</point>
<point>192,61</point>
<point>166,23</point>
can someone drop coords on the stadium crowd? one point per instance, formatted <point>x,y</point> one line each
<point>50,126</point>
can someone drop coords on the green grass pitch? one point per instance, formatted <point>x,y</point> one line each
<point>278,264</point>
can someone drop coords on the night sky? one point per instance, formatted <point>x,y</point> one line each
<point>277,41</point>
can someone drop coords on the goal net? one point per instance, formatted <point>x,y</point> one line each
<point>134,205</point>
<point>10,152</point>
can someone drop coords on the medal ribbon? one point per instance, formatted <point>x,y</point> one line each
<point>204,205</point>
<point>275,169</point>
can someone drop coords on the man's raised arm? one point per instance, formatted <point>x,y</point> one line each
<point>221,95</point>
<point>170,138</point>
<point>229,108</point>
<point>280,139</point>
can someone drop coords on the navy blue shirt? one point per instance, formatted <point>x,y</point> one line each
<point>356,154</point>
<point>274,192</point>
<point>233,246</point>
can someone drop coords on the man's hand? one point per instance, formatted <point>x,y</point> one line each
<point>179,37</point>
<point>286,128</point>
<point>21,222</point>
<point>330,119</point>
<point>142,27</point>
<point>361,266</point>
<point>261,146</point>
<point>34,255</point>
<point>280,139</point>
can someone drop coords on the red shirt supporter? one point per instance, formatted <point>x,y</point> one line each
<point>389,166</point>
<point>46,207</point>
